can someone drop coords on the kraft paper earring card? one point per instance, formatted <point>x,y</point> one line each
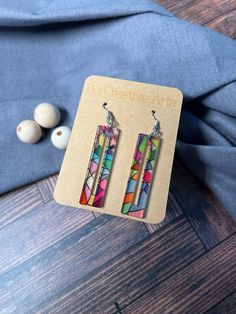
<point>120,154</point>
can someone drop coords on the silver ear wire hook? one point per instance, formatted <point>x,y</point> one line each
<point>156,128</point>
<point>153,114</point>
<point>109,117</point>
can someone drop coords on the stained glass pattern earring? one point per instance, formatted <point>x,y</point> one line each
<point>100,163</point>
<point>142,168</point>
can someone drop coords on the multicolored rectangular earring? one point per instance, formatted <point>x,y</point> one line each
<point>142,167</point>
<point>100,163</point>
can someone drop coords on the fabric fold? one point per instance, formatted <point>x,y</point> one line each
<point>18,14</point>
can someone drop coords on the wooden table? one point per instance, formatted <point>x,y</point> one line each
<point>56,259</point>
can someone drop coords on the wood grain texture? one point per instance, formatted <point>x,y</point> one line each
<point>40,276</point>
<point>15,204</point>
<point>131,273</point>
<point>38,230</point>
<point>201,12</point>
<point>97,214</point>
<point>175,6</point>
<point>228,306</point>
<point>225,24</point>
<point>208,217</point>
<point>46,187</point>
<point>173,211</point>
<point>196,287</point>
<point>214,14</point>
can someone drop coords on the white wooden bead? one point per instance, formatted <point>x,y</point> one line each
<point>60,137</point>
<point>47,115</point>
<point>28,131</point>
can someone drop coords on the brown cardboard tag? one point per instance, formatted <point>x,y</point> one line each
<point>131,103</point>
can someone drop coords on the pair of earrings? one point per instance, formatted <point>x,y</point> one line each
<point>142,167</point>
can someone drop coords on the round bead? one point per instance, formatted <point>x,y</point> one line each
<point>47,115</point>
<point>60,137</point>
<point>28,131</point>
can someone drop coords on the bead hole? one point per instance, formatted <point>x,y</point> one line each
<point>59,133</point>
<point>19,129</point>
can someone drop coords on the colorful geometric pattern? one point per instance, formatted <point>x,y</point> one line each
<point>147,147</point>
<point>108,135</point>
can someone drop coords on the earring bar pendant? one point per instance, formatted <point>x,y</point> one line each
<point>93,192</point>
<point>146,152</point>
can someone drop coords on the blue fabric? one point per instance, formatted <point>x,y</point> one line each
<point>48,48</point>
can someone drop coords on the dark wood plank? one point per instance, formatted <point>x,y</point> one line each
<point>228,306</point>
<point>173,211</point>
<point>215,14</point>
<point>208,217</point>
<point>46,187</point>
<point>64,262</point>
<point>97,214</point>
<point>175,6</point>
<point>34,232</point>
<point>131,273</point>
<point>225,24</point>
<point>196,287</point>
<point>201,12</point>
<point>15,204</point>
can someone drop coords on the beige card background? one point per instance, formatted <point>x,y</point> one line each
<point>131,103</point>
